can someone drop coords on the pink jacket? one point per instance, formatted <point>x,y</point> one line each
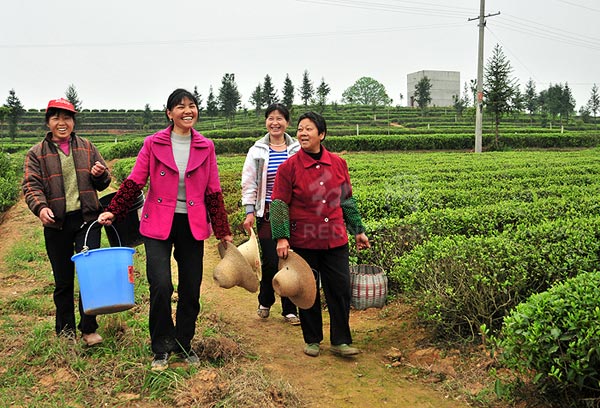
<point>155,161</point>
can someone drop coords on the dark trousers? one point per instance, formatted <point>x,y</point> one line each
<point>331,267</point>
<point>61,245</point>
<point>270,266</point>
<point>165,335</point>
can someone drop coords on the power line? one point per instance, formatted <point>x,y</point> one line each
<point>570,3</point>
<point>233,39</point>
<point>511,53</point>
<point>533,28</point>
<point>437,10</point>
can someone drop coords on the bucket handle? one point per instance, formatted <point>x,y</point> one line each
<point>85,247</point>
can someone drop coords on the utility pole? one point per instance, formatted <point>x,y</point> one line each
<point>479,102</point>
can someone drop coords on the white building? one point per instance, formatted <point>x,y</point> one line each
<point>444,84</point>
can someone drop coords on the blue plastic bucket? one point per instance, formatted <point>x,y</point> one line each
<point>105,279</point>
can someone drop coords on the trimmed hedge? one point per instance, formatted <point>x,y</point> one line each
<point>240,145</point>
<point>461,283</point>
<point>9,182</point>
<point>556,335</point>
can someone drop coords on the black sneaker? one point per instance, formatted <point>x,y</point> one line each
<point>160,362</point>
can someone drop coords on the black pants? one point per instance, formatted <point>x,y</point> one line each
<point>331,266</point>
<point>165,335</point>
<point>270,266</point>
<point>61,245</point>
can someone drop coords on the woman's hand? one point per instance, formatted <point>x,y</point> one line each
<point>283,247</point>
<point>46,216</point>
<point>226,239</point>
<point>98,169</point>
<point>249,222</point>
<point>106,218</point>
<point>362,242</point>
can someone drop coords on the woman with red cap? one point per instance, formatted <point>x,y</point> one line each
<point>62,176</point>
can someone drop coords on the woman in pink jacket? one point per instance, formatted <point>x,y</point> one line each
<point>184,200</point>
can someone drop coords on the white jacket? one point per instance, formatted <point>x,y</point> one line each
<point>254,173</point>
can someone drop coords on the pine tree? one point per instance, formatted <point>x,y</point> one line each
<point>306,89</point>
<point>288,92</point>
<point>71,95</point>
<point>146,117</point>
<point>269,94</point>
<point>16,110</point>
<point>531,99</point>
<point>499,86</point>
<point>198,98</point>
<point>593,103</point>
<point>322,91</point>
<point>567,102</point>
<point>256,99</point>
<point>212,107</point>
<point>229,96</point>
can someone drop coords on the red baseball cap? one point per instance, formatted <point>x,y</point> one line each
<point>61,103</point>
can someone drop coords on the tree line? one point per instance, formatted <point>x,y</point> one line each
<point>501,96</point>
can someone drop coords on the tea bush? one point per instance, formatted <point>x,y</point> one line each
<point>556,334</point>
<point>122,168</point>
<point>461,283</point>
<point>9,182</point>
<point>121,150</point>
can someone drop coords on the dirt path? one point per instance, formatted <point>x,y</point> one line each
<point>383,375</point>
<point>370,380</point>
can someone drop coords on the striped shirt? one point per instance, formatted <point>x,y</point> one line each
<point>275,159</point>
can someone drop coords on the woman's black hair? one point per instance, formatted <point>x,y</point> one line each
<point>281,108</point>
<point>55,111</point>
<point>317,119</point>
<point>177,96</point>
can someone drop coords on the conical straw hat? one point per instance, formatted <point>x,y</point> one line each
<point>296,281</point>
<point>250,251</point>
<point>234,270</point>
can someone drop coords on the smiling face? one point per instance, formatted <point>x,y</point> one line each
<point>276,124</point>
<point>61,125</point>
<point>184,116</point>
<point>309,137</point>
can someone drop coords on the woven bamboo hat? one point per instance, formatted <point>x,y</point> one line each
<point>234,270</point>
<point>296,281</point>
<point>250,251</point>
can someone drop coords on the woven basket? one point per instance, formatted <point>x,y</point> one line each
<point>369,286</point>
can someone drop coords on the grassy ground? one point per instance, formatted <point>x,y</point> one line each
<point>246,361</point>
<point>38,368</point>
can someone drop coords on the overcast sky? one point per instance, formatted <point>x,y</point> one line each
<point>127,53</point>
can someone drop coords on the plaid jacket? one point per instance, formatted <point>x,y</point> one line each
<point>43,182</point>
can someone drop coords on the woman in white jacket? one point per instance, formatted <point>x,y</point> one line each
<point>258,176</point>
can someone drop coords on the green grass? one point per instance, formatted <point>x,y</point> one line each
<point>39,369</point>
